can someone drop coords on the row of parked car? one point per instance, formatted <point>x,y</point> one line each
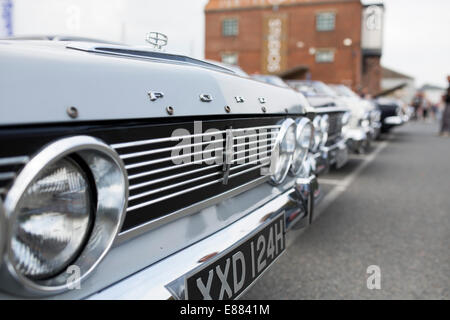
<point>342,118</point>
<point>130,173</point>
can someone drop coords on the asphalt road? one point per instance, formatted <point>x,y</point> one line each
<point>393,213</point>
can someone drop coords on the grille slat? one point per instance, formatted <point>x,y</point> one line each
<point>7,175</point>
<point>14,160</point>
<point>171,158</point>
<point>154,191</point>
<point>9,167</point>
<point>179,175</point>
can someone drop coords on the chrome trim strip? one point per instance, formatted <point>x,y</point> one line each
<point>179,184</point>
<point>131,233</point>
<point>182,174</point>
<point>177,138</point>
<point>148,173</point>
<point>257,135</point>
<point>248,170</point>
<point>153,151</point>
<point>255,148</point>
<point>329,109</point>
<point>7,175</point>
<point>183,156</point>
<point>252,162</point>
<point>14,160</point>
<point>256,141</point>
<point>145,204</point>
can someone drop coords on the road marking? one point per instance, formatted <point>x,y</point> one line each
<point>334,182</point>
<point>348,181</point>
<point>343,186</point>
<point>340,187</point>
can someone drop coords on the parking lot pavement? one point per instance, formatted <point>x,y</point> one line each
<point>393,213</point>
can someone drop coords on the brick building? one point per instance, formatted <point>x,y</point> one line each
<point>336,41</point>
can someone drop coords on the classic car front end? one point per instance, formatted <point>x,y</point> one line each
<point>363,125</point>
<point>329,147</point>
<point>390,113</point>
<point>129,173</point>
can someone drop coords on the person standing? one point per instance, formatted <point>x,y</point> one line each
<point>445,128</point>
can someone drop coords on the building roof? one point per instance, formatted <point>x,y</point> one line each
<point>297,72</point>
<point>389,74</point>
<point>214,5</point>
<point>431,87</point>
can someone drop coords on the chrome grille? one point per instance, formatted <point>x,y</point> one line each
<point>160,190</point>
<point>335,124</point>
<point>153,176</point>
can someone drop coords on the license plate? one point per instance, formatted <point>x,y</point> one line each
<point>228,274</point>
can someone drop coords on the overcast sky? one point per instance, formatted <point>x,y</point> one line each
<point>417,32</point>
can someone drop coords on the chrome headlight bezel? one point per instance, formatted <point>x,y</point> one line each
<point>286,126</point>
<point>375,116</point>
<point>2,231</point>
<point>345,120</point>
<point>317,133</point>
<point>111,187</point>
<point>324,126</point>
<point>302,124</point>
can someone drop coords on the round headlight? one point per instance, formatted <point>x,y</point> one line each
<point>324,126</point>
<point>283,151</point>
<point>375,116</point>
<point>345,118</point>
<point>317,132</point>
<point>304,139</point>
<point>63,213</point>
<point>52,222</point>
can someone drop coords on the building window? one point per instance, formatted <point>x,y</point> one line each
<point>230,58</point>
<point>325,21</point>
<point>230,27</point>
<point>324,56</point>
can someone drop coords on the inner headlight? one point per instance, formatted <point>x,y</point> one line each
<point>283,151</point>
<point>304,139</point>
<point>324,126</point>
<point>53,219</point>
<point>317,133</point>
<point>375,116</point>
<point>345,118</point>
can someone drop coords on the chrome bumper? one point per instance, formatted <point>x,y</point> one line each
<point>393,121</point>
<point>165,279</point>
<point>376,129</point>
<point>358,139</point>
<point>336,154</point>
